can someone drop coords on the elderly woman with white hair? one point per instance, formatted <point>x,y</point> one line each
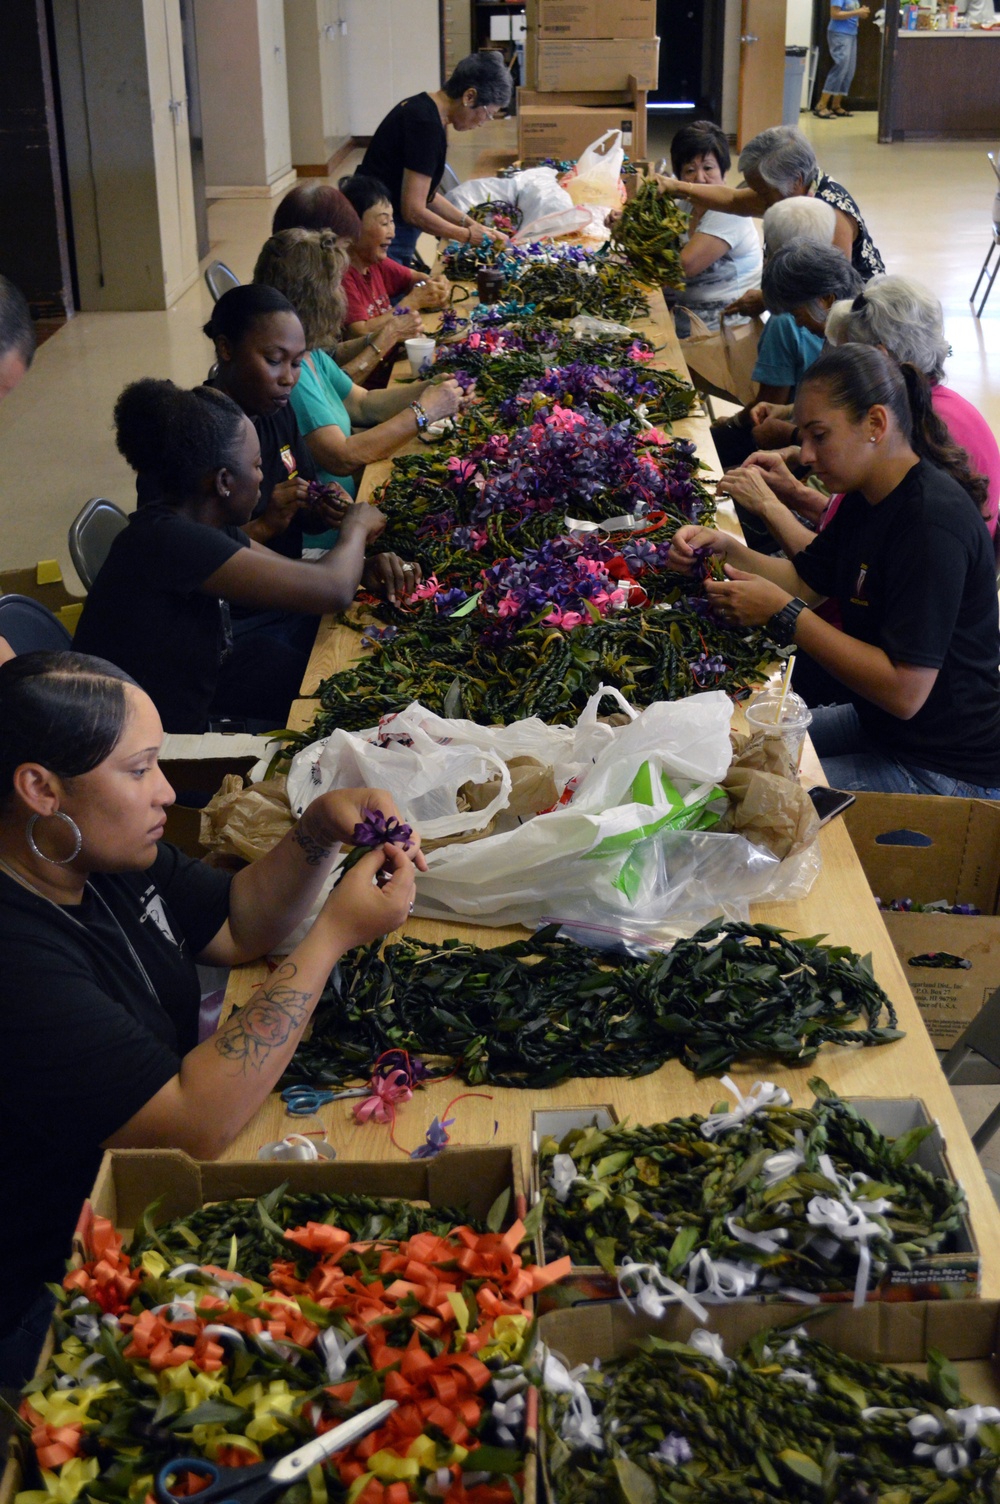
<point>786,350</point>
<point>780,164</point>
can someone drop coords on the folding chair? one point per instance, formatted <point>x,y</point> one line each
<point>994,246</point>
<point>91,534</point>
<point>220,279</point>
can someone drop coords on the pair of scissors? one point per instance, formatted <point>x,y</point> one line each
<point>302,1101</point>
<point>265,1480</point>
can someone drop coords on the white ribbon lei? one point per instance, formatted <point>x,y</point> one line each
<point>848,1221</point>
<point>653,1292</point>
<point>950,1456</point>
<point>562,1176</point>
<point>724,1279</point>
<point>580,1427</point>
<point>761,1094</point>
<point>779,1166</point>
<point>709,1344</point>
<point>767,1242</point>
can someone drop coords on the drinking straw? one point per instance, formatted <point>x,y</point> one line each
<point>784,686</point>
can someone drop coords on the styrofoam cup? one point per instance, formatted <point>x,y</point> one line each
<point>420,351</point>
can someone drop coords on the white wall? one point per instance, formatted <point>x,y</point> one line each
<point>244,96</point>
<point>393,50</point>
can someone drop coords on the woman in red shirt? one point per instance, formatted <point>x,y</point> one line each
<point>374,284</point>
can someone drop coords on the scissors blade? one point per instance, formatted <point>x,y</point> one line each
<point>298,1463</point>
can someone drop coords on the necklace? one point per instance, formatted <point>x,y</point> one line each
<point>64,911</point>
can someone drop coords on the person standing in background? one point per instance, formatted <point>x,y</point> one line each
<point>408,150</point>
<point>842,40</point>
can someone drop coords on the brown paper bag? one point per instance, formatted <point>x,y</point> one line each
<point>246,822</point>
<point>770,810</point>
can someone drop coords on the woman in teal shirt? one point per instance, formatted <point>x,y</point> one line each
<point>308,267</point>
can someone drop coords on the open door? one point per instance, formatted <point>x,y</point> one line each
<point>762,67</point>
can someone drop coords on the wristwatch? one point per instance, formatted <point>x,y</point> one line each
<point>781,626</point>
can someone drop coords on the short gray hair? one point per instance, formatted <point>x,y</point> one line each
<point>903,316</point>
<point>800,274</point>
<point>486,72</point>
<point>800,218</point>
<point>782,157</point>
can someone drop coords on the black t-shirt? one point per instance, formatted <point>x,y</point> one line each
<point>146,613</point>
<point>411,136</point>
<point>282,451</point>
<point>915,576</point>
<point>86,1041</point>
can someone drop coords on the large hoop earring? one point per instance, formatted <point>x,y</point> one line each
<point>57,814</point>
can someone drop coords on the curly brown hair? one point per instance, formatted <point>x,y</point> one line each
<point>308,267</point>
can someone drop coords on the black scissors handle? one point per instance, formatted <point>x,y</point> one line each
<point>226,1485</point>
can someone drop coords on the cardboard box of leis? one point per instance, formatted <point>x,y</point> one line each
<point>919,847</point>
<point>899,1335</point>
<point>604,63</point>
<point>130,1180</point>
<point>951,1275</point>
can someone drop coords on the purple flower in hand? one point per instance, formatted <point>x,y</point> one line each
<point>374,828</point>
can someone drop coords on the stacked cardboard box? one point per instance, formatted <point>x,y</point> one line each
<point>927,849</point>
<point>589,65</point>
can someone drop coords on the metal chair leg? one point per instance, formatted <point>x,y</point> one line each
<point>985,1132</point>
<point>982,274</point>
<point>989,287</point>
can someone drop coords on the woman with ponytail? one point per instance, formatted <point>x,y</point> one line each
<point>910,566</point>
<point>159,607</point>
<point>904,319</point>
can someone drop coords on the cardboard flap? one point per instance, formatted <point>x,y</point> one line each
<point>957,858</point>
<point>886,1332</point>
<point>135,1177</point>
<point>468,1179</point>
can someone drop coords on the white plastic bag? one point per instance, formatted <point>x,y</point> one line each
<point>467,195</point>
<point>535,193</point>
<point>597,177</point>
<point>422,774</point>
<point>599,857</point>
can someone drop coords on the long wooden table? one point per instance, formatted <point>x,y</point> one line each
<point>840,905</point>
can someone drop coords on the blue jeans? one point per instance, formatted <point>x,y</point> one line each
<point>19,1349</point>
<point>404,243</point>
<point>843,47</point>
<point>851,761</point>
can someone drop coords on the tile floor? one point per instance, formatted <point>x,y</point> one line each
<point>927,205</point>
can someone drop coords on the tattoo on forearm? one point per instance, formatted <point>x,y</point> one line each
<point>267,1022</point>
<point>315,851</point>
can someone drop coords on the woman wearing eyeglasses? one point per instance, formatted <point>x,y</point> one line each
<point>408,151</point>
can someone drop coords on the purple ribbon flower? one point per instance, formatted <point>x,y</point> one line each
<point>374,829</point>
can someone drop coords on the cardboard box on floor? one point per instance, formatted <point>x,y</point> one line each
<point>950,1276</point>
<point>564,125</point>
<point>130,1179</point>
<point>195,766</point>
<point>591,18</point>
<point>568,66</point>
<point>926,848</point>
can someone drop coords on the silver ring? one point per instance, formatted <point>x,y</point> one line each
<point>407,568</point>
<point>411,908</point>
